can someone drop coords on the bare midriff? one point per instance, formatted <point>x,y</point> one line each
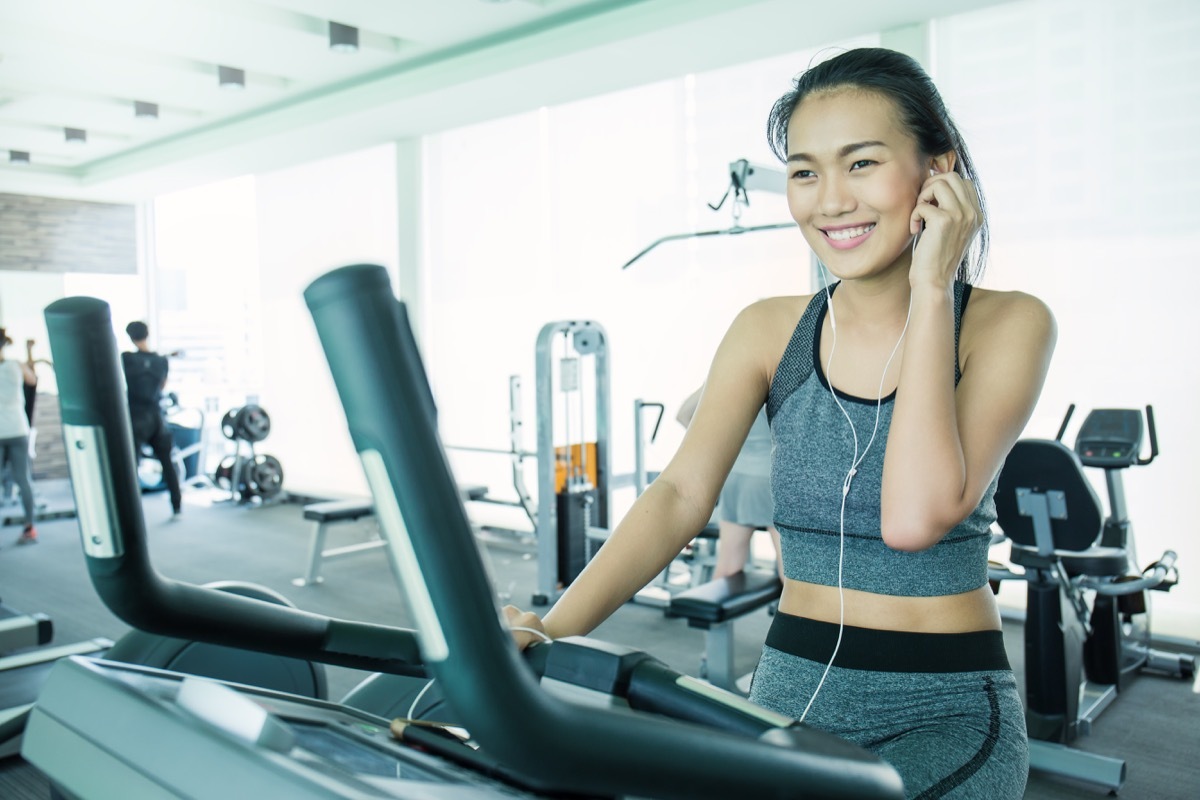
<point>975,610</point>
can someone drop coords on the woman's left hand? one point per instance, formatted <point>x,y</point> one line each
<point>948,208</point>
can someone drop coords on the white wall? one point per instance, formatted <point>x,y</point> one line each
<point>203,280</point>
<point>1079,116</point>
<point>312,219</point>
<point>23,296</point>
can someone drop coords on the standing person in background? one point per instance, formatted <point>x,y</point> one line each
<point>745,505</point>
<point>145,379</point>
<point>14,430</point>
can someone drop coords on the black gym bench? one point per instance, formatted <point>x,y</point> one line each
<point>333,512</point>
<point>715,606</point>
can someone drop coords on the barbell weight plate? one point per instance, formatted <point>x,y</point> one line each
<point>253,423</point>
<point>228,426</point>
<point>261,476</point>
<point>223,477</point>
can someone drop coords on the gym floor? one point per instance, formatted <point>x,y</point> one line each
<point>1153,725</point>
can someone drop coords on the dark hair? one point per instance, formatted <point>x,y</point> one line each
<point>137,331</point>
<point>923,113</point>
<point>4,340</point>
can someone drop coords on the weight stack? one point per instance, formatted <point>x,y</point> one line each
<point>573,513</point>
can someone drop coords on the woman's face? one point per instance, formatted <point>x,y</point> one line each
<point>853,178</point>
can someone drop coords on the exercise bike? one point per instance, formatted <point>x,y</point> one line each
<point>1080,655</point>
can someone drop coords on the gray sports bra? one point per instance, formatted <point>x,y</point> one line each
<point>813,451</point>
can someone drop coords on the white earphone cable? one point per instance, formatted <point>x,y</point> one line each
<point>855,462</point>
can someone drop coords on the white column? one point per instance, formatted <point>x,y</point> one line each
<point>411,286</point>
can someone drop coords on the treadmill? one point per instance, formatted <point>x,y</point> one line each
<point>25,661</point>
<point>572,718</point>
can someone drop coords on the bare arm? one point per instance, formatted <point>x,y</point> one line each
<point>679,503</point>
<point>27,370</point>
<point>688,408</point>
<point>946,444</point>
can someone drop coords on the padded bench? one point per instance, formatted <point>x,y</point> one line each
<point>334,512</point>
<point>715,606</point>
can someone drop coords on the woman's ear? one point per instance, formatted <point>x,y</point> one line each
<point>943,163</point>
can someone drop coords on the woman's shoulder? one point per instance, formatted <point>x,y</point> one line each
<point>1000,316</point>
<point>784,309</point>
<point>765,320</point>
<point>764,328</point>
<point>997,307</point>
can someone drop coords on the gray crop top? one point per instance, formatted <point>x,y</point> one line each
<point>813,451</point>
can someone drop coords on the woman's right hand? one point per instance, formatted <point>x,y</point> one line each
<point>517,618</point>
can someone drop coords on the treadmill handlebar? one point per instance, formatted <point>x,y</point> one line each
<point>108,498</point>
<point>376,367</point>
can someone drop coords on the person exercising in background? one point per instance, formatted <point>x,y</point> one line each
<point>745,505</point>
<point>145,378</point>
<point>14,431</point>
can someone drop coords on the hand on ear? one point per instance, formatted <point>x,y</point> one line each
<point>938,165</point>
<point>948,211</point>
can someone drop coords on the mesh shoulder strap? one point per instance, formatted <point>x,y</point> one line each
<point>797,362</point>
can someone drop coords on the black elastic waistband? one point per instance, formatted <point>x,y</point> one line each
<point>888,651</point>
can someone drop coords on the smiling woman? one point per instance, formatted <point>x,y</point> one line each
<point>888,430</point>
<point>903,107</point>
<point>885,548</point>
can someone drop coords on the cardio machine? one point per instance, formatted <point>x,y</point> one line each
<point>1080,655</point>
<point>26,656</point>
<point>573,717</point>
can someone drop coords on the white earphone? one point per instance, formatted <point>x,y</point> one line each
<point>855,461</point>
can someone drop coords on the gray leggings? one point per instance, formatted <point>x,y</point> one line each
<point>15,453</point>
<point>943,709</point>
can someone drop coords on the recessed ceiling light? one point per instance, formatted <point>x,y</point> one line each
<point>75,136</point>
<point>343,38</point>
<point>231,78</point>
<point>18,157</point>
<point>144,110</point>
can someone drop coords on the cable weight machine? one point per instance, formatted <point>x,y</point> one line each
<point>572,360</point>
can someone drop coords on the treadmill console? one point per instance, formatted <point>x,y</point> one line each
<point>1110,438</point>
<point>132,729</point>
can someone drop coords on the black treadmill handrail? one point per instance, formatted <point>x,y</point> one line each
<point>1141,462</point>
<point>92,396</point>
<point>1062,428</point>
<point>376,367</point>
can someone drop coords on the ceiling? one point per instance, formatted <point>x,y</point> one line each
<point>421,66</point>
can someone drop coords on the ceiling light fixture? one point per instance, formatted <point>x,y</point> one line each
<point>75,136</point>
<point>144,110</point>
<point>343,38</point>
<point>18,157</point>
<point>231,78</point>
